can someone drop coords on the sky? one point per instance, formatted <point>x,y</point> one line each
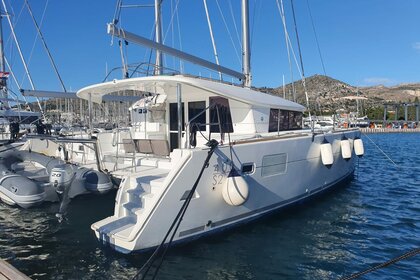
<point>362,42</point>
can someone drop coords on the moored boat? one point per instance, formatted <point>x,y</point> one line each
<point>213,155</point>
<point>28,179</point>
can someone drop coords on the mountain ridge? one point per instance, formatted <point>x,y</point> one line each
<point>329,94</point>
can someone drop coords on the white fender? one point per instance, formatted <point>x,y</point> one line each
<point>235,191</point>
<point>345,149</point>
<point>327,154</point>
<point>359,149</point>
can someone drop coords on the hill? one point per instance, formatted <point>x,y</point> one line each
<point>329,95</point>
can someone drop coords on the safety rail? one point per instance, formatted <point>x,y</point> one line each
<point>116,138</point>
<point>138,69</point>
<point>83,141</point>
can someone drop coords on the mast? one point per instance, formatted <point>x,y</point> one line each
<point>158,35</point>
<point>3,79</point>
<point>246,50</point>
<point>25,66</point>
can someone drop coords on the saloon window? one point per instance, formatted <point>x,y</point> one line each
<point>196,112</point>
<point>281,120</point>
<point>219,110</point>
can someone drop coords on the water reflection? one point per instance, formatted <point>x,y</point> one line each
<point>373,218</point>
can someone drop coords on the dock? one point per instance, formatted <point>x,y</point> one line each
<point>9,272</point>
<point>389,130</point>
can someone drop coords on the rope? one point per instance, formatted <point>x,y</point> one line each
<point>407,255</point>
<point>175,224</point>
<point>393,162</point>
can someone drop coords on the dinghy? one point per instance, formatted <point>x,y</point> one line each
<point>27,179</point>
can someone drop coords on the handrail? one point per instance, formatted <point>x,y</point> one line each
<point>145,72</point>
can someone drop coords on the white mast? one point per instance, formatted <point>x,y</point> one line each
<point>3,82</point>
<point>25,66</point>
<point>158,35</point>
<point>246,50</point>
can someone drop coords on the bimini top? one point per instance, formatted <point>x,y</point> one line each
<point>189,86</point>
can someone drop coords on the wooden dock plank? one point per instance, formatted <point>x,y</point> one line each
<point>9,272</point>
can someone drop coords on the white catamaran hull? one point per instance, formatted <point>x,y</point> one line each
<point>281,170</point>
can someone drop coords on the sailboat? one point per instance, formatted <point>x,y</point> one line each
<point>214,155</point>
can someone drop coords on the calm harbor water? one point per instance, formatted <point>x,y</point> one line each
<point>369,220</point>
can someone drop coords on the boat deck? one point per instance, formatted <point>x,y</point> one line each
<point>9,272</point>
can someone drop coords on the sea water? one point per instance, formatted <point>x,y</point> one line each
<point>368,220</point>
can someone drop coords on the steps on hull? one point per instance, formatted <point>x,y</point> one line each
<point>138,194</point>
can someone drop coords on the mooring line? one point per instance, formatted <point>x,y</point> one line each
<point>393,162</point>
<point>407,255</point>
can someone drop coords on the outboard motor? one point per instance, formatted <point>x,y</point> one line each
<point>61,177</point>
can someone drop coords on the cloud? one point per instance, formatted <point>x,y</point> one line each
<point>379,81</point>
<point>416,46</point>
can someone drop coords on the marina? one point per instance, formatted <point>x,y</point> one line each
<point>389,130</point>
<point>156,169</point>
<point>366,221</point>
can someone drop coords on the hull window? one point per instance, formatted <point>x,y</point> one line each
<point>247,168</point>
<point>274,165</point>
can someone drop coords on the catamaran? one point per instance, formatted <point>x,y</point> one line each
<point>232,153</point>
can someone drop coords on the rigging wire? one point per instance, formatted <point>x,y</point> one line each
<point>10,38</point>
<point>181,63</point>
<point>37,34</point>
<point>234,23</point>
<point>316,38</point>
<point>45,44</point>
<point>286,35</point>
<point>297,40</point>
<point>228,30</point>
<point>297,66</point>
<point>170,22</point>
<point>22,57</point>
<point>14,79</point>
<point>173,32</point>
<point>255,18</point>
